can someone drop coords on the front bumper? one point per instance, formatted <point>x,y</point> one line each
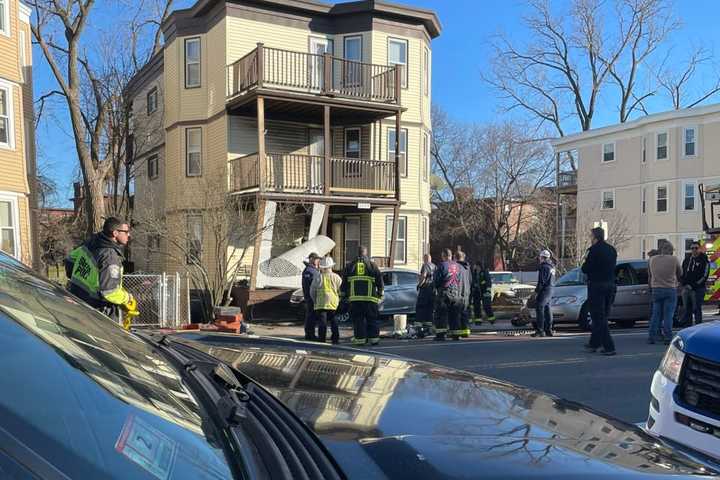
<point>663,420</point>
<point>568,313</point>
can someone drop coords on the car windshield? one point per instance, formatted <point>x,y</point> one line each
<point>503,278</point>
<point>573,277</point>
<point>96,401</point>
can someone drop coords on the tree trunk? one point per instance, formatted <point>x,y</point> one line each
<point>94,205</point>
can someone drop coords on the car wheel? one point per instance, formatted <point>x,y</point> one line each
<point>626,323</point>
<point>584,319</point>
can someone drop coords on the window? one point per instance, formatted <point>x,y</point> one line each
<point>662,146</point>
<point>643,200</point>
<point>4,17</point>
<point>644,150</point>
<point>352,238</point>
<point>194,238</point>
<point>426,72</point>
<point>352,151</point>
<point>6,126</point>
<point>353,48</point>
<point>401,244</point>
<point>152,167</point>
<point>643,248</point>
<point>193,152</point>
<point>403,149</point>
<point>689,196</point>
<point>352,51</point>
<point>608,200</point>
<point>152,100</point>
<point>8,227</point>
<point>397,55</point>
<point>426,155</point>
<point>687,243</point>
<point>641,270</point>
<point>406,278</point>
<point>690,141</point>
<point>661,198</point>
<point>192,62</point>
<point>424,234</point>
<point>23,54</point>
<point>153,243</point>
<point>608,152</point>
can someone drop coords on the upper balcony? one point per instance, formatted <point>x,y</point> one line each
<point>567,182</point>
<point>288,77</point>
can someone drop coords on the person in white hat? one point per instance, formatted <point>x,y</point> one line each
<point>543,294</point>
<point>325,293</point>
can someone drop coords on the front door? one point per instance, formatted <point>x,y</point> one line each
<point>318,47</point>
<point>317,154</point>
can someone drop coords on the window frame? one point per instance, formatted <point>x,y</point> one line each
<point>5,28</point>
<point>426,71</point>
<point>667,198</point>
<point>602,153</point>
<point>391,153</point>
<point>10,116</point>
<point>189,247</point>
<point>404,82</point>
<point>345,41</point>
<point>426,156</point>
<point>350,169</point>
<point>351,76</point>
<point>684,197</point>
<point>188,152</point>
<point>695,131</point>
<point>348,220</point>
<point>152,93</point>
<point>22,53</point>
<point>156,174</point>
<point>602,199</point>
<point>186,63</point>
<point>425,235</point>
<point>15,219</point>
<point>667,146</point>
<point>643,200</point>
<point>402,221</point>
<point>643,158</point>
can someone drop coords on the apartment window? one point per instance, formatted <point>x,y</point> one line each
<point>644,150</point>
<point>352,238</point>
<point>397,55</point>
<point>352,70</point>
<point>4,17</point>
<point>608,152</point>
<point>426,72</point>
<point>153,167</point>
<point>6,126</point>
<point>8,227</point>
<point>643,248</point>
<point>401,244</point>
<point>194,238</point>
<point>23,54</point>
<point>403,149</point>
<point>424,234</point>
<point>690,141</point>
<point>426,155</point>
<point>352,151</point>
<point>192,62</point>
<point>689,196</point>
<point>193,152</point>
<point>608,200</point>
<point>662,146</point>
<point>643,200</point>
<point>661,198</point>
<point>152,100</point>
<point>153,244</point>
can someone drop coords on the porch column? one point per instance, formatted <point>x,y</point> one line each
<point>327,148</point>
<point>260,203</point>
<point>262,161</point>
<point>396,210</point>
<point>557,206</point>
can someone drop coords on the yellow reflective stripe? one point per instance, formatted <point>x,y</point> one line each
<point>441,330</point>
<point>118,296</point>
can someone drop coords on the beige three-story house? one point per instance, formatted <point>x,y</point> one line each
<point>17,147</point>
<point>288,102</point>
<point>640,179</point>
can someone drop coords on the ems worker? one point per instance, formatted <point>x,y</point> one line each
<point>95,271</point>
<point>363,287</point>
<point>482,293</point>
<point>465,283</point>
<point>449,296</point>
<point>325,293</point>
<point>424,306</point>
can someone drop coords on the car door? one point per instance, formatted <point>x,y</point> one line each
<point>406,291</point>
<point>642,290</point>
<point>624,298</point>
<point>388,303</point>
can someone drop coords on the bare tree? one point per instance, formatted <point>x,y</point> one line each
<point>85,84</point>
<point>677,82</point>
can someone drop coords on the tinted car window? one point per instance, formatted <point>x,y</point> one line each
<point>502,277</point>
<point>387,278</point>
<point>93,396</point>
<point>641,273</point>
<point>406,278</point>
<point>624,275</point>
<point>573,277</point>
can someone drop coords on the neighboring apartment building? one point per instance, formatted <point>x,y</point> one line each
<point>17,146</point>
<point>642,177</point>
<point>289,102</point>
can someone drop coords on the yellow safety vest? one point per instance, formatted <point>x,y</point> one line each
<point>326,297</point>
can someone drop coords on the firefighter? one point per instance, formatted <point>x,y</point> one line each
<point>482,294</point>
<point>465,283</point>
<point>95,270</point>
<point>448,300</point>
<point>424,306</point>
<point>363,287</point>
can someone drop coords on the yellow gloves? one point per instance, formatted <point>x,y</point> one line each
<point>131,312</point>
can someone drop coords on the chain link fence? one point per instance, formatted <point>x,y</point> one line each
<point>163,299</point>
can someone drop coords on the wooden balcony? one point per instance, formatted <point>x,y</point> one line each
<point>273,69</point>
<point>297,175</point>
<point>567,182</point>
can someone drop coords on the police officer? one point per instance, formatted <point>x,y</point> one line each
<point>465,284</point>
<point>482,293</point>
<point>543,295</point>
<point>363,287</point>
<point>95,271</point>
<point>309,275</point>
<point>448,300</point>
<point>424,306</point>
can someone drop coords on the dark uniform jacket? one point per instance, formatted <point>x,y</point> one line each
<point>695,271</point>
<point>308,276</point>
<point>448,281</point>
<point>546,271</point>
<point>481,281</point>
<point>372,271</point>
<point>426,288</point>
<point>599,265</point>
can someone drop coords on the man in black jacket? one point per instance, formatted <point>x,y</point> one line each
<point>543,294</point>
<point>308,276</point>
<point>599,266</point>
<point>695,272</point>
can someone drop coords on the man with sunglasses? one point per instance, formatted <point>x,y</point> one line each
<point>95,270</point>
<point>695,272</point>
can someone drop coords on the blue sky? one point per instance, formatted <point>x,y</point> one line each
<point>460,55</point>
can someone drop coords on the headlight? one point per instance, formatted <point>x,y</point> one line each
<point>671,364</point>
<point>569,300</point>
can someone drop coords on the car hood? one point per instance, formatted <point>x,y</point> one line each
<point>702,340</point>
<point>387,417</point>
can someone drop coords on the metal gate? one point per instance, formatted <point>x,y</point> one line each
<point>162,299</point>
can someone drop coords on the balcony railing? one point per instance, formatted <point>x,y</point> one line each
<point>320,74</point>
<point>567,179</point>
<point>305,174</point>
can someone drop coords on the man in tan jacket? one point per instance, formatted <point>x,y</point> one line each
<point>665,275</point>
